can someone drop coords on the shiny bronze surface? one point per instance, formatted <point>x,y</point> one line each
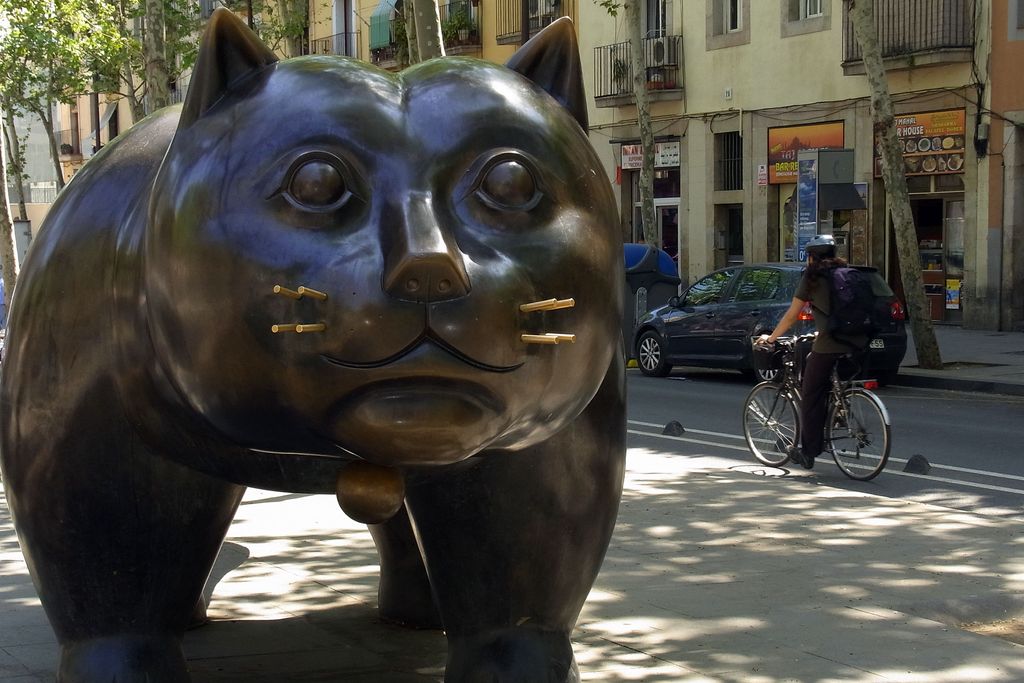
<point>312,267</point>
<point>368,493</point>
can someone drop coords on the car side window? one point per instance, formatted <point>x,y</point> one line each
<point>707,290</point>
<point>757,284</point>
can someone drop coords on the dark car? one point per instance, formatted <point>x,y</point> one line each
<point>711,325</point>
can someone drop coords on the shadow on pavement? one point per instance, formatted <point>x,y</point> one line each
<point>713,574</point>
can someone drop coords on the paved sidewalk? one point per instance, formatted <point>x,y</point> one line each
<point>975,360</point>
<point>714,574</point>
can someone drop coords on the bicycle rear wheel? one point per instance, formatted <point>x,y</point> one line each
<point>771,423</point>
<point>858,434</point>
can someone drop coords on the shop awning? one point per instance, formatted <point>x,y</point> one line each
<point>380,24</point>
<point>837,196</point>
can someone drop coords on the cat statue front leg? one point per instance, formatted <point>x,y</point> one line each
<point>119,539</point>
<point>514,540</point>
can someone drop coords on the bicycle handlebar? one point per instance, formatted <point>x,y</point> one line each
<point>787,342</point>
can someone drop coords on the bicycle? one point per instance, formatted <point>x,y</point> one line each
<point>857,431</point>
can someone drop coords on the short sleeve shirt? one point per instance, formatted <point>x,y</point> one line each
<point>817,292</point>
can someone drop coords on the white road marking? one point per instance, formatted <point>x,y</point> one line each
<point>888,470</point>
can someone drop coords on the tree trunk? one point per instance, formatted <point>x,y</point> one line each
<point>410,33</point>
<point>8,252</point>
<point>46,117</point>
<point>428,29</point>
<point>15,160</point>
<point>893,175</point>
<point>135,106</point>
<point>157,77</point>
<point>643,119</point>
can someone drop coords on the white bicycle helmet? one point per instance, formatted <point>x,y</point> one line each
<point>822,246</point>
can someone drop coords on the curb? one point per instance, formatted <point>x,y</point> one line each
<point>973,384</point>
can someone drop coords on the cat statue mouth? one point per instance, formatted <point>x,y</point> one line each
<point>428,339</point>
<point>429,421</point>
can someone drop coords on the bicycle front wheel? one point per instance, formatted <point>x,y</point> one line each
<point>857,433</point>
<point>771,423</point>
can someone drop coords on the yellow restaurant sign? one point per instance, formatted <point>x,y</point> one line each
<point>932,142</point>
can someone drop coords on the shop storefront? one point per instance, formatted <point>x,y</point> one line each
<point>933,157</point>
<point>804,210</point>
<point>666,192</point>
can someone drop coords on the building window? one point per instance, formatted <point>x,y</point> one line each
<point>810,8</point>
<point>800,17</point>
<point>728,16</point>
<point>800,10</point>
<point>732,21</point>
<point>728,23</point>
<point>113,126</point>
<point>76,135</point>
<point>728,161</point>
<point>657,18</point>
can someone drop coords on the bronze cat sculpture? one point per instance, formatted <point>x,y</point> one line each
<point>320,277</point>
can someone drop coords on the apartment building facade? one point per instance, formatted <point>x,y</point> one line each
<point>742,90</point>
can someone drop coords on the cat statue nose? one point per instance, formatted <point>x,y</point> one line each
<point>423,264</point>
<point>426,279</point>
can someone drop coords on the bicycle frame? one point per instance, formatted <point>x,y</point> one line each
<point>837,394</point>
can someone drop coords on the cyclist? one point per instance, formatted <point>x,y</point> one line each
<point>826,350</point>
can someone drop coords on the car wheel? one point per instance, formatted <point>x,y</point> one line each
<point>650,352</point>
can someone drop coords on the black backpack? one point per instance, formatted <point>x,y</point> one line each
<point>853,305</point>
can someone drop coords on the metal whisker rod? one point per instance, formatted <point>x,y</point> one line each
<point>284,291</point>
<point>548,338</point>
<point>301,292</point>
<point>312,293</point>
<point>547,305</point>
<point>298,328</point>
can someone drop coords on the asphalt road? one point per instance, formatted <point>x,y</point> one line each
<point>972,441</point>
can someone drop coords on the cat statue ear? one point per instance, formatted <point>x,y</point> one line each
<point>551,59</point>
<point>229,52</point>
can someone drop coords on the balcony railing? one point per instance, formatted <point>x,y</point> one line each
<point>460,26</point>
<point>346,44</point>
<point>542,12</point>
<point>908,28</point>
<point>613,70</point>
<point>386,56</point>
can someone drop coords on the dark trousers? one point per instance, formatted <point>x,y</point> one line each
<point>814,400</point>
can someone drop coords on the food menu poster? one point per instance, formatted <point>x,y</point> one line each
<point>932,142</point>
